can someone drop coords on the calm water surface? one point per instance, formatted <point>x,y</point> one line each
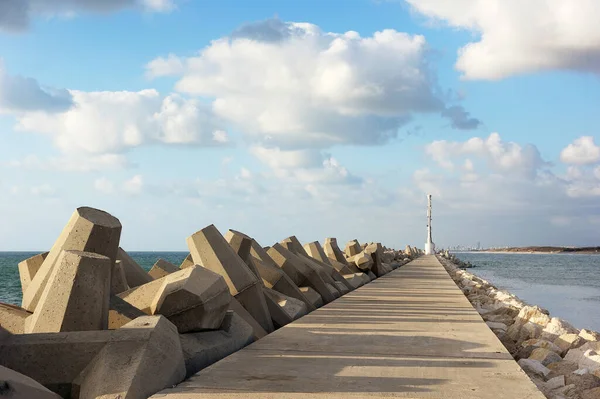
<point>568,285</point>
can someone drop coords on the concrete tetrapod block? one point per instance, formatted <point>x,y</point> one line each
<point>121,313</point>
<point>376,252</point>
<point>194,299</point>
<point>333,251</point>
<point>363,261</point>
<point>4,335</point>
<point>242,245</point>
<point>344,268</point>
<point>315,251</point>
<point>352,248</point>
<point>118,279</point>
<point>313,296</point>
<point>356,279</point>
<point>77,295</point>
<point>276,279</point>
<point>294,245</point>
<point>187,262</point>
<point>336,276</point>
<point>273,277</point>
<point>162,268</point>
<point>89,230</point>
<point>15,385</point>
<point>257,330</point>
<point>210,250</point>
<point>134,273</point>
<point>200,350</point>
<point>134,370</point>
<point>53,359</point>
<point>341,287</point>
<point>299,271</point>
<point>333,290</point>
<point>12,318</point>
<point>284,309</point>
<point>142,296</point>
<point>326,272</point>
<point>28,269</point>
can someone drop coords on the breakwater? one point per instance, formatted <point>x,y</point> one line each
<point>562,360</point>
<point>93,323</point>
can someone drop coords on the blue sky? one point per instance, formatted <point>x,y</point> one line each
<point>301,117</point>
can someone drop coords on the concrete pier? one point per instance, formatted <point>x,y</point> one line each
<point>409,334</point>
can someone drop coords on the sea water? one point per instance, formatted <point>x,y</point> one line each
<point>568,285</point>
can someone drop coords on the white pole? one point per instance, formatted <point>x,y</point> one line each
<point>429,245</point>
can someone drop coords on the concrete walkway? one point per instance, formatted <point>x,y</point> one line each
<point>409,334</point>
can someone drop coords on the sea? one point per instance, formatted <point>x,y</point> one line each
<point>567,285</point>
<point>10,284</point>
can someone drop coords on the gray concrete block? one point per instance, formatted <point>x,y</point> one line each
<point>194,299</point>
<point>242,245</point>
<point>15,385</point>
<point>352,248</point>
<point>301,273</point>
<point>202,349</point>
<point>121,313</point>
<point>187,262</point>
<point>134,369</point>
<point>76,296</point>
<point>333,251</point>
<point>162,268</point>
<point>313,296</point>
<point>257,330</point>
<point>284,309</point>
<point>12,318</point>
<point>89,230</point>
<point>134,273</point>
<point>28,269</point>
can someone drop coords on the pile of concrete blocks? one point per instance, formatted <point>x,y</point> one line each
<point>94,323</point>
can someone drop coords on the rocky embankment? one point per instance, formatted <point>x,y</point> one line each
<point>563,361</point>
<point>94,324</point>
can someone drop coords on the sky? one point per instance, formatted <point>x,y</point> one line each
<point>310,118</point>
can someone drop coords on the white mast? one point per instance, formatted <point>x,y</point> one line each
<point>429,245</point>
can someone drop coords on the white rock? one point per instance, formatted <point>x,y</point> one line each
<point>590,360</point>
<point>557,327</point>
<point>575,355</point>
<point>534,367</point>
<point>589,335</point>
<point>581,371</point>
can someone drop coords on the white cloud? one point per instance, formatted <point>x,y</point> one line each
<point>582,151</point>
<point>519,37</point>
<point>172,65</point>
<point>20,94</point>
<point>15,15</point>
<point>245,174</point>
<point>500,156</point>
<point>88,163</point>
<point>133,186</point>
<point>104,185</point>
<point>290,85</point>
<point>111,122</point>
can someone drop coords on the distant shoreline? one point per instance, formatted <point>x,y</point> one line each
<point>544,250</point>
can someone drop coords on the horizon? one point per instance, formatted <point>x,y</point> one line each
<point>302,118</point>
